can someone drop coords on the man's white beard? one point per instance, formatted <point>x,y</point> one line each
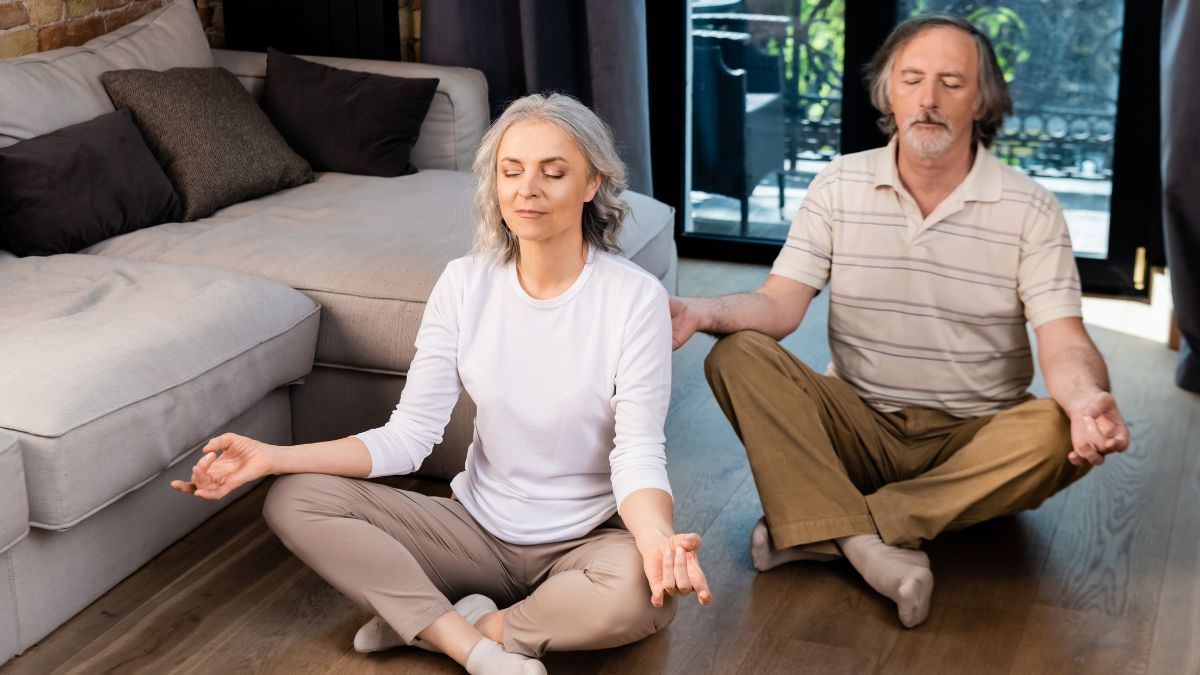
<point>928,141</point>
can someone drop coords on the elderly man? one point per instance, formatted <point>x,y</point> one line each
<point>936,255</point>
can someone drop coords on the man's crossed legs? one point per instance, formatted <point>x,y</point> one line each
<point>837,477</point>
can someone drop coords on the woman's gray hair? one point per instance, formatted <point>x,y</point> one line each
<point>602,217</point>
<point>993,100</point>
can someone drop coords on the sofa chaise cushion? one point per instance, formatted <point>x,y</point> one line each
<point>113,370</point>
<point>14,505</point>
<point>368,249</point>
<point>79,185</point>
<point>51,90</point>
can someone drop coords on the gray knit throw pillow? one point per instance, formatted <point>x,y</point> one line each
<point>212,139</point>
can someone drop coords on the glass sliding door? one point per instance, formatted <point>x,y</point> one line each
<point>772,91</point>
<point>766,111</point>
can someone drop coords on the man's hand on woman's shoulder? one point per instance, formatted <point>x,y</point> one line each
<point>685,322</point>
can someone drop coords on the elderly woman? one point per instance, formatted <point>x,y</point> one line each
<point>565,348</point>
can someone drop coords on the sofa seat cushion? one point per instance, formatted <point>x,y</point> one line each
<point>14,505</point>
<point>368,249</point>
<point>113,370</point>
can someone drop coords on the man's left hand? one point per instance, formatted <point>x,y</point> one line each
<point>1097,429</point>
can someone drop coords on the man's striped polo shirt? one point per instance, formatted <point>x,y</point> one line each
<point>931,311</point>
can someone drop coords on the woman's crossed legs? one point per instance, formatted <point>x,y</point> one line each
<point>405,556</point>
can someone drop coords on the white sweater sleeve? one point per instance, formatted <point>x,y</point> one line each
<point>431,387</point>
<point>643,394</point>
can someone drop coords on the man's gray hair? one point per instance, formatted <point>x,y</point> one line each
<point>993,101</point>
<point>602,217</point>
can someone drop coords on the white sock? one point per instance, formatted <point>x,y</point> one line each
<point>489,658</point>
<point>764,556</point>
<point>899,573</point>
<point>376,635</point>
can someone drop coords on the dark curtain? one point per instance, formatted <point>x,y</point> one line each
<point>594,50</point>
<point>1181,176</point>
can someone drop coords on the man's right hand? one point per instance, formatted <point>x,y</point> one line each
<point>775,310</point>
<point>241,460</point>
<point>685,321</point>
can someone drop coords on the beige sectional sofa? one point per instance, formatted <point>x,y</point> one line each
<point>290,318</point>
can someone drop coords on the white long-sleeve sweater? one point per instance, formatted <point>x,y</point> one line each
<point>571,392</point>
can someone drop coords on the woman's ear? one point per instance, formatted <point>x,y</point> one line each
<point>593,187</point>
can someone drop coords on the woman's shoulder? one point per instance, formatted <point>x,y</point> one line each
<point>620,270</point>
<point>472,268</point>
<point>463,279</point>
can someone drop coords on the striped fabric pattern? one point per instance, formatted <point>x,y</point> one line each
<point>932,311</point>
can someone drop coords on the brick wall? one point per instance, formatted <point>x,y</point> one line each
<point>28,26</point>
<point>212,17</point>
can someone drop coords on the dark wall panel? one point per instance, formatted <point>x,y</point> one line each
<point>353,28</point>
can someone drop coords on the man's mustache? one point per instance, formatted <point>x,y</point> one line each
<point>927,116</point>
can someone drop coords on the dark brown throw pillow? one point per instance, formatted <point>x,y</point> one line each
<point>80,185</point>
<point>343,120</point>
<point>208,133</point>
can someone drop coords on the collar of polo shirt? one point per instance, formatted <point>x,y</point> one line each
<point>982,184</point>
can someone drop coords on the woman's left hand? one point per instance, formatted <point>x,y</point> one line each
<point>672,568</point>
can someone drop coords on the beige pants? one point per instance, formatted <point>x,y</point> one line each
<point>405,557</point>
<point>828,465</point>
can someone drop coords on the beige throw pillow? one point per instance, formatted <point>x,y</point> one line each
<point>214,142</point>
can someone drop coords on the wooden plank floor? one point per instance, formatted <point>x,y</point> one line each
<point>1103,578</point>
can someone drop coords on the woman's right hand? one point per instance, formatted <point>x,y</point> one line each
<point>240,461</point>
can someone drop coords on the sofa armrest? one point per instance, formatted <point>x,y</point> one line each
<point>453,127</point>
<point>14,503</point>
